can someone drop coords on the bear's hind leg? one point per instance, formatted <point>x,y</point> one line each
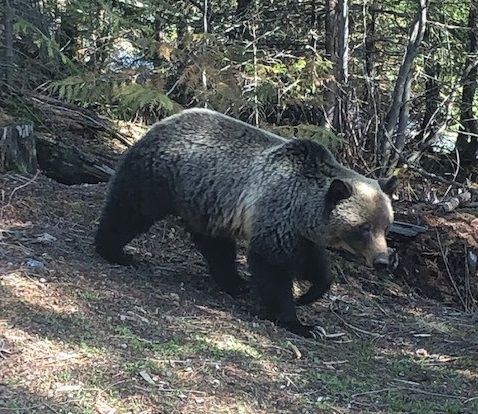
<point>220,256</point>
<point>274,284</point>
<point>317,271</point>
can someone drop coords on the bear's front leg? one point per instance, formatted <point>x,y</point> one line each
<point>274,284</point>
<point>316,270</point>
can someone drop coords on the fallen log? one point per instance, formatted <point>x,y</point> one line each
<point>404,229</point>
<point>76,118</point>
<point>70,165</point>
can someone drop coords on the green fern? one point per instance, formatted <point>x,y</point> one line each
<point>133,97</point>
<point>84,89</point>
<point>120,94</point>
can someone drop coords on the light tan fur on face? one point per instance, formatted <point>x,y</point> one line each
<point>370,193</point>
<point>368,206</point>
<point>379,247</point>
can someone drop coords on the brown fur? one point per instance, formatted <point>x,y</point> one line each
<point>289,199</point>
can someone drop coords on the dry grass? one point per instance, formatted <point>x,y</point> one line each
<point>81,336</point>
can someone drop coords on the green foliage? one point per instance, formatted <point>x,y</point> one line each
<point>41,52</point>
<point>231,74</point>
<point>290,81</point>
<point>133,97</point>
<point>122,96</point>
<point>268,59</point>
<point>84,89</point>
<point>315,133</point>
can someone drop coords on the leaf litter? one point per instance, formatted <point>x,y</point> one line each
<point>80,335</point>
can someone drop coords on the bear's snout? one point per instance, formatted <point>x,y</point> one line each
<point>381,262</point>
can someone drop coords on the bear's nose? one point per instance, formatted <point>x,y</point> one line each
<point>380,263</point>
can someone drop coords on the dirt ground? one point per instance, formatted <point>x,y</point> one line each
<point>78,335</point>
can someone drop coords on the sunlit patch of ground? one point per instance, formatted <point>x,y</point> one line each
<point>79,335</point>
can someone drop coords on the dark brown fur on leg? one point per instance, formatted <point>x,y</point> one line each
<point>274,285</point>
<point>317,272</point>
<point>220,255</point>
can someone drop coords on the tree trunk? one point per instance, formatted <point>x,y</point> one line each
<point>9,54</point>
<point>392,138</point>
<point>17,147</point>
<point>467,141</point>
<point>313,14</point>
<point>342,68</point>
<point>429,125</point>
<point>370,51</point>
<point>330,94</point>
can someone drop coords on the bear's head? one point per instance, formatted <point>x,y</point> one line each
<point>359,214</point>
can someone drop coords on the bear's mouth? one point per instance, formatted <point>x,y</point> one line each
<point>347,254</point>
<point>351,256</point>
<point>358,259</point>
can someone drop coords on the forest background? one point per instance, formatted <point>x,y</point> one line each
<point>388,86</point>
<point>393,81</point>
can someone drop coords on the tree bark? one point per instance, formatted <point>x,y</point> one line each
<point>9,53</point>
<point>392,139</point>
<point>467,141</point>
<point>330,94</point>
<point>69,165</point>
<point>429,125</point>
<point>370,51</point>
<point>342,68</point>
<point>313,14</point>
<point>17,147</point>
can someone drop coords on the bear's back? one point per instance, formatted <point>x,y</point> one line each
<point>200,127</point>
<point>205,161</point>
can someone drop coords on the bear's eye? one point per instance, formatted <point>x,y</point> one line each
<point>366,229</point>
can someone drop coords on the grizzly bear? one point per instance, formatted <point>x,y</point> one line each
<point>228,180</point>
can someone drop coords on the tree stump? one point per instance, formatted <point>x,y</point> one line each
<point>17,147</point>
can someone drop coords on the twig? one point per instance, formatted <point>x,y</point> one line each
<point>15,190</point>
<point>434,394</point>
<point>22,186</point>
<point>51,408</point>
<point>354,327</point>
<point>435,177</point>
<point>170,390</point>
<point>470,400</point>
<point>296,350</point>
<point>416,384</point>
<point>447,267</point>
<point>470,269</point>
<point>172,88</point>
<point>417,390</point>
<point>359,394</point>
<point>4,352</point>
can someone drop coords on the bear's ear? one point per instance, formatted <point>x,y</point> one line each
<point>338,190</point>
<point>388,185</point>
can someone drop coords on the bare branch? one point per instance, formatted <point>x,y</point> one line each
<point>401,91</point>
